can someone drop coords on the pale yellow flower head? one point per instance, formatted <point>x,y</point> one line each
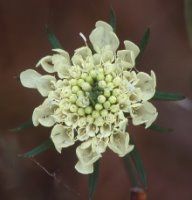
<point>90,96</point>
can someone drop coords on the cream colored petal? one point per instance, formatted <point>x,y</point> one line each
<point>63,53</point>
<point>29,78</point>
<point>45,84</point>
<point>100,144</point>
<point>62,137</point>
<point>86,154</point>
<point>119,143</point>
<point>82,134</point>
<point>102,37</point>
<point>43,115</point>
<point>92,129</point>
<point>132,47</point>
<point>126,59</point>
<point>104,24</point>
<point>105,130</point>
<point>146,114</point>
<point>147,84</point>
<point>46,64</point>
<point>84,169</point>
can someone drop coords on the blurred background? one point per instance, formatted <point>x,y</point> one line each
<point>167,156</point>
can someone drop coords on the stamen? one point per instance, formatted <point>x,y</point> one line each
<point>83,37</point>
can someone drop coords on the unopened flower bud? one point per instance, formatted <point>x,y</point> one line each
<point>75,89</point>
<point>73,98</point>
<point>108,78</point>
<point>81,111</point>
<point>100,76</point>
<point>93,73</point>
<point>107,93</point>
<point>88,110</point>
<point>101,98</point>
<point>112,99</point>
<point>73,108</point>
<point>86,86</point>
<point>95,114</point>
<point>102,84</point>
<point>104,113</point>
<point>107,105</point>
<point>73,82</point>
<point>98,107</point>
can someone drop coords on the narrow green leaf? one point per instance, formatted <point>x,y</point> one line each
<point>143,43</point>
<point>188,19</point>
<point>165,96</point>
<point>27,124</point>
<point>130,170</point>
<point>139,166</point>
<point>93,179</point>
<point>155,127</point>
<point>54,42</point>
<point>39,149</point>
<point>113,19</point>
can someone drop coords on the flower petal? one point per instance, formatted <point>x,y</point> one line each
<point>29,78</point>
<point>84,169</point>
<point>103,37</point>
<point>119,143</point>
<point>46,64</point>
<point>62,136</point>
<point>147,114</point>
<point>147,84</point>
<point>132,47</point>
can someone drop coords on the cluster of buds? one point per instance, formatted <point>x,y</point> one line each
<point>90,97</point>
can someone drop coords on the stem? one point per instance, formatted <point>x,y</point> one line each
<point>138,194</point>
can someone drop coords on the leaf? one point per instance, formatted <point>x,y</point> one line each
<point>113,19</point>
<point>155,127</point>
<point>130,170</point>
<point>135,168</point>
<point>93,179</point>
<point>27,124</point>
<point>54,42</point>
<point>39,149</point>
<point>188,19</point>
<point>139,165</point>
<point>165,96</point>
<point>143,43</point>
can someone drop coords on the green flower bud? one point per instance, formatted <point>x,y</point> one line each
<point>84,76</point>
<point>112,99</point>
<point>116,92</point>
<point>80,82</point>
<point>73,82</point>
<point>90,119</point>
<point>102,84</point>
<point>117,81</point>
<point>107,105</point>
<point>108,78</point>
<point>81,111</point>
<point>75,89</point>
<point>88,110</point>
<point>110,85</point>
<point>98,107</point>
<point>114,108</point>
<point>89,79</point>
<point>93,73</point>
<point>101,98</point>
<point>80,93</point>
<point>73,98</point>
<point>100,77</point>
<point>86,86</point>
<point>107,93</point>
<point>104,113</point>
<point>73,108</point>
<point>95,114</point>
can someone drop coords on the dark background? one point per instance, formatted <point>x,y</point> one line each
<point>167,156</point>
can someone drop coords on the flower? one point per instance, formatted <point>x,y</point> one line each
<point>90,97</point>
